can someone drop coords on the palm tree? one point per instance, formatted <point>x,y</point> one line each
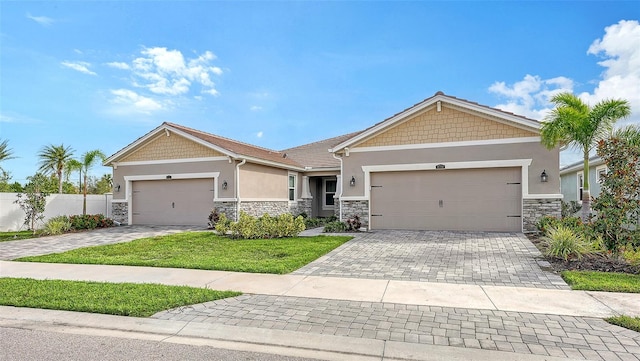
<point>74,165</point>
<point>629,134</point>
<point>53,159</point>
<point>574,123</point>
<point>6,153</point>
<point>87,161</point>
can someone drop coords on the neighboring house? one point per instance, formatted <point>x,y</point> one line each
<point>442,164</point>
<point>572,177</point>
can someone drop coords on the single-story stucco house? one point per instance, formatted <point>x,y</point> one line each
<point>572,176</point>
<point>443,164</point>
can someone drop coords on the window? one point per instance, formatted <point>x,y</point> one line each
<point>292,187</point>
<point>600,171</point>
<point>329,192</point>
<point>580,184</point>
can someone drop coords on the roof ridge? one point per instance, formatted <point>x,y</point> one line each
<point>222,137</point>
<point>349,135</point>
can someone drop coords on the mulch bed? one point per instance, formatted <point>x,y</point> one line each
<point>589,262</point>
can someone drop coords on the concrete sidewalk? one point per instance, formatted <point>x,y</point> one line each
<point>513,299</point>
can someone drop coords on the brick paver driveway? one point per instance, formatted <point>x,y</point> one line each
<point>54,244</point>
<point>502,259</point>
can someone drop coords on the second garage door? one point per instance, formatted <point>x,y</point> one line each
<point>460,200</point>
<point>172,202</point>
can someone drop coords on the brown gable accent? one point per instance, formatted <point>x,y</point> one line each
<point>449,125</point>
<point>174,146</point>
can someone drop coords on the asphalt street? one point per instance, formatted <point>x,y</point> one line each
<point>26,345</point>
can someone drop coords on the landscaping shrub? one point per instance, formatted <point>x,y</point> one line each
<point>90,221</point>
<point>214,218</point>
<point>354,224</point>
<point>310,223</point>
<point>249,227</point>
<point>563,242</point>
<point>335,227</point>
<point>57,225</point>
<point>631,254</point>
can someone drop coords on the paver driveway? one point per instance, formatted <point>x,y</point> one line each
<point>54,244</point>
<point>502,259</point>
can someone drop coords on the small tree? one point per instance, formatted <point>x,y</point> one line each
<point>34,200</point>
<point>618,205</point>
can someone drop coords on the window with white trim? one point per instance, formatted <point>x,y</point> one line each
<point>329,190</point>
<point>600,171</point>
<point>292,187</point>
<point>580,178</point>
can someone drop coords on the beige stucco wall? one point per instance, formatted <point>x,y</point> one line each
<point>170,147</point>
<point>542,159</point>
<point>449,125</point>
<point>263,182</point>
<point>225,168</point>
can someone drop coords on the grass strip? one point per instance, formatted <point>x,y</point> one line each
<point>123,299</point>
<point>602,281</point>
<point>204,250</point>
<point>632,323</point>
<point>14,236</point>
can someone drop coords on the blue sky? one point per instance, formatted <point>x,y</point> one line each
<point>98,75</point>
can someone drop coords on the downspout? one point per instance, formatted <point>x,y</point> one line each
<point>341,187</point>
<point>238,188</point>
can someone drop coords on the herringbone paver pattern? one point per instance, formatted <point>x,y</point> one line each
<point>529,333</point>
<point>501,259</point>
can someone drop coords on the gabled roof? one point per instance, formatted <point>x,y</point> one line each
<point>226,146</point>
<point>507,117</point>
<point>316,155</point>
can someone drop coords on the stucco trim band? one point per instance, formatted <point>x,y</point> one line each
<point>445,144</point>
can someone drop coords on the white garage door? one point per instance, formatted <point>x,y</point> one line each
<point>459,200</point>
<point>172,201</point>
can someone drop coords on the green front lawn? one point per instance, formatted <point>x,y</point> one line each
<point>124,299</point>
<point>602,281</point>
<point>204,250</point>
<point>632,323</point>
<point>14,236</point>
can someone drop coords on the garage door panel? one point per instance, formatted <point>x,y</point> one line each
<point>465,199</point>
<point>172,202</point>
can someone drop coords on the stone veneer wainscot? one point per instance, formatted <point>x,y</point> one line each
<point>534,209</point>
<point>352,208</point>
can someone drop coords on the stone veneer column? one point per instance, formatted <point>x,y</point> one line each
<point>360,208</point>
<point>228,208</point>
<point>534,209</point>
<point>120,212</point>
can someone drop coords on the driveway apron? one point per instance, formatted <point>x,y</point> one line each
<point>478,258</point>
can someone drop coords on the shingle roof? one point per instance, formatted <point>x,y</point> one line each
<point>239,148</point>
<point>316,155</point>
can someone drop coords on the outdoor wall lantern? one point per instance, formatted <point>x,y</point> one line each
<point>352,182</point>
<point>543,176</point>
<point>224,185</point>
<point>117,187</point>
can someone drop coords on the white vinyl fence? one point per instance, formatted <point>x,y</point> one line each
<point>12,216</point>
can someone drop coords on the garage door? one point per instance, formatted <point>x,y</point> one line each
<point>172,202</point>
<point>460,200</point>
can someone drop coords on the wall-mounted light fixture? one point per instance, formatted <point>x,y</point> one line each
<point>543,176</point>
<point>117,187</point>
<point>224,185</point>
<point>352,182</point>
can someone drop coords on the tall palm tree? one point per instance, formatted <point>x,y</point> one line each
<point>629,134</point>
<point>73,165</point>
<point>53,159</point>
<point>576,124</point>
<point>87,161</point>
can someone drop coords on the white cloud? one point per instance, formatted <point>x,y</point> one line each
<point>255,108</point>
<point>167,72</point>
<point>620,50</point>
<point>42,20</point>
<point>259,134</point>
<point>119,65</point>
<point>80,66</point>
<point>135,102</point>
<point>530,96</point>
